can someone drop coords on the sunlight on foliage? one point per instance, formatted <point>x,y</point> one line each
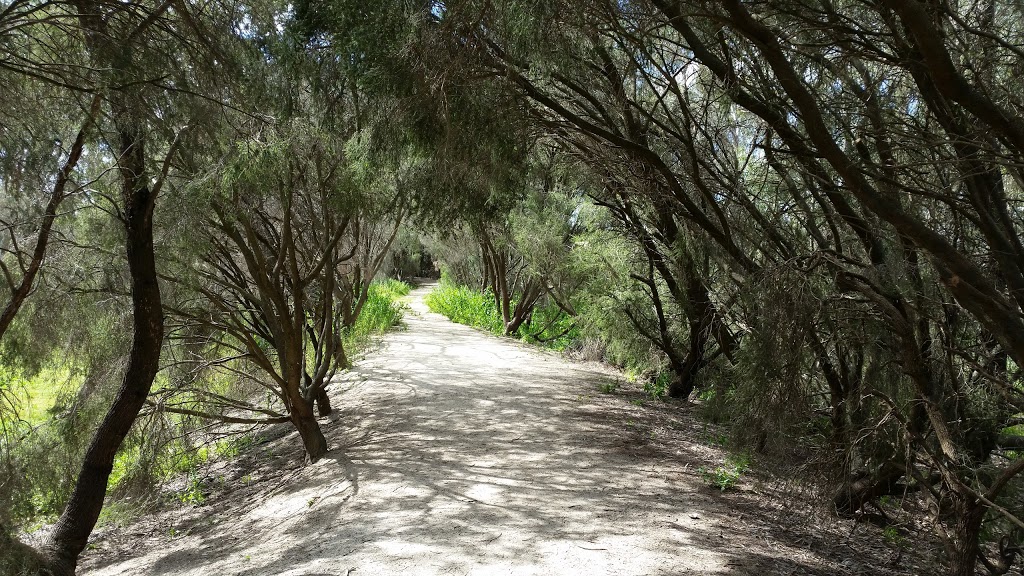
<point>725,477</point>
<point>465,305</point>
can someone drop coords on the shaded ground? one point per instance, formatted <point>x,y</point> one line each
<point>460,453</point>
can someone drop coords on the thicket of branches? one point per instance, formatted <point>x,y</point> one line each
<point>807,211</point>
<point>195,204</point>
<point>822,204</point>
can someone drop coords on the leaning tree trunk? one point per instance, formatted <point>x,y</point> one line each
<point>309,430</point>
<point>72,531</point>
<point>862,487</point>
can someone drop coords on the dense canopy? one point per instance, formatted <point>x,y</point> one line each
<point>803,215</point>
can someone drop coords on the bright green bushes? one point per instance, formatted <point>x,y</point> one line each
<point>37,394</point>
<point>597,332</point>
<point>44,409</point>
<point>465,305</point>
<point>382,311</point>
<point>548,326</point>
<point>391,288</point>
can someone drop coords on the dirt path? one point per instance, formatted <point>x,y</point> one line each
<point>460,453</point>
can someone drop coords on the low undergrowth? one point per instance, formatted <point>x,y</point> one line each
<point>548,326</point>
<point>383,311</point>
<point>726,476</point>
<point>464,305</point>
<point>166,451</point>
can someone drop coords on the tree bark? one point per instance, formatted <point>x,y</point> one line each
<point>313,439</point>
<point>72,531</point>
<point>323,402</point>
<point>963,553</point>
<point>860,489</point>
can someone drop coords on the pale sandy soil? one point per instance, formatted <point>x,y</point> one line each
<point>455,452</point>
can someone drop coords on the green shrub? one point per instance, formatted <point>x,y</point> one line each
<point>465,305</point>
<point>548,326</point>
<point>381,312</point>
<point>893,537</point>
<point>391,288</point>
<point>551,328</point>
<point>726,476</point>
<point>657,388</point>
<point>192,493</point>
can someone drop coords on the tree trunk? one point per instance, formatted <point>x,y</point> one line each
<point>323,402</point>
<point>527,302</point>
<point>71,533</point>
<point>680,386</point>
<point>309,430</point>
<point>702,317</point>
<point>686,374</point>
<point>682,382</point>
<point>963,552</point>
<point>859,489</point>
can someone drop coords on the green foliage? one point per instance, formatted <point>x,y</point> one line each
<point>232,447</point>
<point>605,260</point>
<point>725,477</point>
<point>118,512</point>
<point>38,394</point>
<point>548,325</point>
<point>192,493</point>
<point>182,459</point>
<point>392,289</point>
<point>893,537</point>
<point>126,464</point>
<point>657,387</point>
<point>552,328</point>
<point>383,310</point>
<point>49,413</point>
<point>719,439</point>
<point>465,305</point>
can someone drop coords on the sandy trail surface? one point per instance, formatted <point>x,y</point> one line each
<point>455,452</point>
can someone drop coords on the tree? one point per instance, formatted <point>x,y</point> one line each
<point>112,51</point>
<point>717,129</point>
<point>288,256</point>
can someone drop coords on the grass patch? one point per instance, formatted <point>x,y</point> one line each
<point>725,477</point>
<point>391,288</point>
<point>382,311</point>
<point>548,327</point>
<point>118,513</point>
<point>464,305</point>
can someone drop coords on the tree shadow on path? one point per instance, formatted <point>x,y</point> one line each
<point>460,453</point>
